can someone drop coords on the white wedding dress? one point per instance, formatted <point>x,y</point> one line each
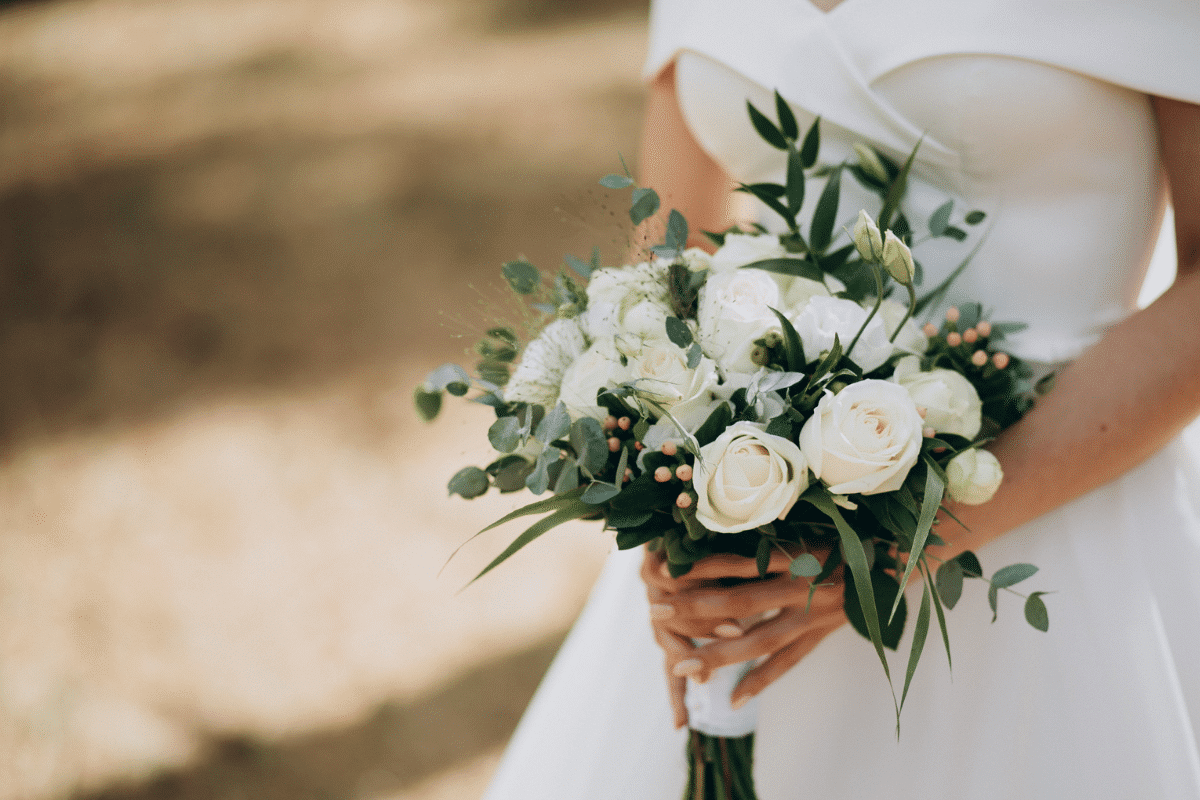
<point>1034,111</point>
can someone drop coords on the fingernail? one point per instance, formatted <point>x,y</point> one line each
<point>737,702</point>
<point>727,630</point>
<point>771,613</point>
<point>661,611</point>
<point>687,667</point>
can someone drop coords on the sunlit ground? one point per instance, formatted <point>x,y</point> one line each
<point>228,233</point>
<point>228,230</point>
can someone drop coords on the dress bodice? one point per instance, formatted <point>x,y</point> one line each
<point>1064,162</point>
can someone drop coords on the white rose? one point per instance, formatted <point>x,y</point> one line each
<point>627,299</point>
<point>660,372</point>
<point>735,309</point>
<point>910,339</point>
<point>800,290</point>
<point>823,317</point>
<point>864,439</point>
<point>951,402</point>
<point>697,260</point>
<point>746,478</point>
<point>974,476</point>
<point>599,367</point>
<point>539,375</point>
<point>741,249</point>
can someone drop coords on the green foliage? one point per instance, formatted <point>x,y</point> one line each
<point>825,215</point>
<point>505,434</point>
<point>613,181</point>
<point>428,403</point>
<point>468,483</point>
<point>645,204</point>
<point>678,332</point>
<point>522,276</point>
<point>1036,613</point>
<point>766,129</point>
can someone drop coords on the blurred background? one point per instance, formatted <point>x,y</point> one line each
<point>234,235</point>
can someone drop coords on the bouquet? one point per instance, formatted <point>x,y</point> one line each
<point>775,395</point>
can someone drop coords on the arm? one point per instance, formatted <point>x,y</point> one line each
<point>1112,408</point>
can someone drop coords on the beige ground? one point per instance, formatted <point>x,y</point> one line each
<point>227,232</point>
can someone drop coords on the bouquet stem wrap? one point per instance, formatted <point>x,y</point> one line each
<point>721,742</point>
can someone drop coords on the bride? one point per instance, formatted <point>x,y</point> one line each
<point>1070,124</point>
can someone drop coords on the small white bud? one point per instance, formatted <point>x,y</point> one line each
<point>897,259</point>
<point>973,476</point>
<point>868,159</point>
<point>867,238</point>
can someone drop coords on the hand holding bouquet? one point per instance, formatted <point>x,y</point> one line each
<point>772,400</point>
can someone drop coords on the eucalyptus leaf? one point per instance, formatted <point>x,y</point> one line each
<point>694,354</point>
<point>954,232</point>
<point>428,403</point>
<point>645,204</point>
<point>505,434</point>
<point>511,477</point>
<point>970,564</point>
<point>974,217</point>
<point>993,596</point>
<point>805,565</point>
<point>538,479</point>
<point>950,582</point>
<point>591,447</point>
<point>568,477</point>
<point>941,218</point>
<point>445,375</point>
<point>468,483</point>
<point>678,332</point>
<point>766,129</point>
<point>677,230</point>
<point>580,267</point>
<point>522,276</point>
<point>1012,575</point>
<point>1036,613</point>
<point>555,425</point>
<point>614,181</point>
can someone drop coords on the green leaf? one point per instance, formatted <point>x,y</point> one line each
<point>896,190</point>
<point>974,218</point>
<point>511,477</point>
<point>694,354</point>
<point>800,267</point>
<point>780,426</point>
<point>505,434</point>
<point>444,376</point>
<point>970,564</point>
<point>861,578</point>
<point>920,631</point>
<point>805,565</point>
<point>762,558</point>
<point>555,425</point>
<point>522,276</point>
<point>950,582</point>
<point>793,348</point>
<point>812,143</point>
<point>993,595</point>
<point>884,591</point>
<point>1012,575</point>
<point>538,479</point>
<point>825,215</point>
<point>574,509</point>
<point>715,425</point>
<point>677,231</point>
<point>645,203</point>
<point>795,180</point>
<point>614,181</point>
<point>678,332</point>
<point>954,232</point>
<point>568,477</point>
<point>468,483</point>
<point>598,492</point>
<point>941,218</point>
<point>766,129</point>
<point>932,499</point>
<point>590,445</point>
<point>787,120</point>
<point>1036,613</point>
<point>428,403</point>
<point>941,615</point>
<point>580,267</point>
<point>627,519</point>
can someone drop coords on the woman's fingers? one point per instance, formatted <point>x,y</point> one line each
<point>776,665</point>
<point>747,600</point>
<point>677,650</point>
<point>767,638</point>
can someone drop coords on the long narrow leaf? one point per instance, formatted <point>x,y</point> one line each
<point>941,615</point>
<point>575,510</point>
<point>897,189</point>
<point>766,129</point>
<point>559,501</point>
<point>800,267</point>
<point>860,572</point>
<point>929,506</point>
<point>793,347</point>
<point>918,643</point>
<point>825,214</point>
